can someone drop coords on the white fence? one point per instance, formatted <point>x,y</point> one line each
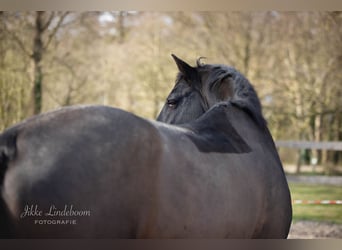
<point>324,145</point>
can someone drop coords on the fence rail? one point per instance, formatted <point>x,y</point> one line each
<point>324,145</point>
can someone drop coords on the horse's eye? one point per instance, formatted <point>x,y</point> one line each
<point>172,103</point>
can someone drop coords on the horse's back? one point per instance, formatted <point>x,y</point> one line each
<point>86,158</point>
<point>139,178</point>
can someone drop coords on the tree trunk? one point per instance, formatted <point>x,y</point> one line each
<point>316,130</point>
<point>338,154</point>
<point>121,26</point>
<point>37,58</point>
<point>247,48</point>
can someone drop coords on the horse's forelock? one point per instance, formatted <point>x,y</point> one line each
<point>199,63</point>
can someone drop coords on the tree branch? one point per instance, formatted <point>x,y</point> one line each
<point>46,25</point>
<point>20,43</point>
<point>54,31</point>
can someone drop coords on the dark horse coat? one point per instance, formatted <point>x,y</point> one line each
<point>96,171</point>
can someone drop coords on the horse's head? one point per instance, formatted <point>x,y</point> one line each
<point>199,88</point>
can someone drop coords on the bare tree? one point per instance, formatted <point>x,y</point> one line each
<point>43,33</point>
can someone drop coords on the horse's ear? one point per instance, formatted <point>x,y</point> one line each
<point>188,71</point>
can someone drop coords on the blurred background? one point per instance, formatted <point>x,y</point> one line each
<point>122,59</point>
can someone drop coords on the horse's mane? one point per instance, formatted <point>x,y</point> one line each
<point>245,96</point>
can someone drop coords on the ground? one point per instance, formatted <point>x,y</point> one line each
<point>305,229</point>
<point>315,230</point>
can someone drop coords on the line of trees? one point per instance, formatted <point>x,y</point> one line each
<point>294,59</point>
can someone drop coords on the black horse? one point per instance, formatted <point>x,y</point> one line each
<point>95,171</point>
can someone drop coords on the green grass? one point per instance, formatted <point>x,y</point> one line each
<point>328,213</point>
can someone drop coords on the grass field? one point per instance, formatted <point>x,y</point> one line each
<point>327,213</point>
